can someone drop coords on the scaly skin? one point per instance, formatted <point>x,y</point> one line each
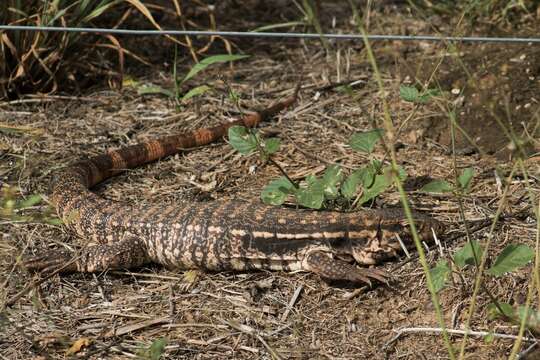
<point>218,235</point>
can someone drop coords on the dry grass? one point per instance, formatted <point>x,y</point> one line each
<point>49,62</point>
<point>252,315</point>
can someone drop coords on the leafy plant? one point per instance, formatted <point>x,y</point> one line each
<point>12,206</point>
<point>209,61</point>
<point>42,62</point>
<point>247,142</point>
<point>154,351</point>
<point>196,91</point>
<point>513,257</point>
<point>316,192</point>
<point>516,315</point>
<point>411,94</point>
<point>374,178</point>
<point>442,186</point>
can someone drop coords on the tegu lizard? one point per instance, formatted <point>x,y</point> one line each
<point>217,235</point>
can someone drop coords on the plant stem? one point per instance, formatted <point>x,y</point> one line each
<point>390,133</point>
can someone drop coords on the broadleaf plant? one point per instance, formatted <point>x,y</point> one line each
<point>411,94</point>
<point>513,257</point>
<point>276,192</point>
<point>315,192</point>
<point>151,89</point>
<point>442,186</point>
<point>242,140</point>
<point>365,141</point>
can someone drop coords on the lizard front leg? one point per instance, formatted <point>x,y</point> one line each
<point>125,254</point>
<point>321,263</point>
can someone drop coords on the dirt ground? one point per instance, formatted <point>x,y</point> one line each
<point>277,314</point>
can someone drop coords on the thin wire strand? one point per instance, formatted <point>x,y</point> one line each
<point>271,34</point>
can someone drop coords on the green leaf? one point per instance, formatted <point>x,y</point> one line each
<point>331,178</point>
<point>99,10</point>
<point>377,183</point>
<point>311,180</point>
<point>368,173</point>
<point>209,61</point>
<point>346,89</point>
<point>350,185</point>
<point>365,141</point>
<point>313,195</point>
<point>439,275</point>
<point>154,89</point>
<point>437,186</point>
<point>532,317</point>
<point>275,193</point>
<point>277,26</point>
<point>465,255</point>
<point>271,145</point>
<point>494,312</point>
<point>29,201</point>
<point>511,258</point>
<point>380,184</point>
<point>196,91</point>
<point>465,178</point>
<point>241,140</point>
<point>234,96</point>
<point>333,174</point>
<point>409,93</point>
<point>427,95</point>
<point>157,348</point>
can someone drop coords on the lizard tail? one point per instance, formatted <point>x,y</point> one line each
<point>69,188</point>
<point>102,167</point>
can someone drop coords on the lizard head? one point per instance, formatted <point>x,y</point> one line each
<point>391,236</point>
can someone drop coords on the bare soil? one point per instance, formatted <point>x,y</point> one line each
<point>276,314</point>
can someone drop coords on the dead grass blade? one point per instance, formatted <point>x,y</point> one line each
<point>120,51</point>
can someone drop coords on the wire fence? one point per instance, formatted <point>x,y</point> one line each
<point>252,34</point>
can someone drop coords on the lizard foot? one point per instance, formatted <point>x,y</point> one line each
<point>124,254</point>
<point>334,269</point>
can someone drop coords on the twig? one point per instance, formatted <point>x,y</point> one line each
<point>479,225</point>
<point>403,247</point>
<point>292,302</point>
<point>137,326</point>
<point>522,355</point>
<point>50,98</point>
<point>253,332</point>
<point>436,331</point>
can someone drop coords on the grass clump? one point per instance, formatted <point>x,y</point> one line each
<point>39,62</point>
